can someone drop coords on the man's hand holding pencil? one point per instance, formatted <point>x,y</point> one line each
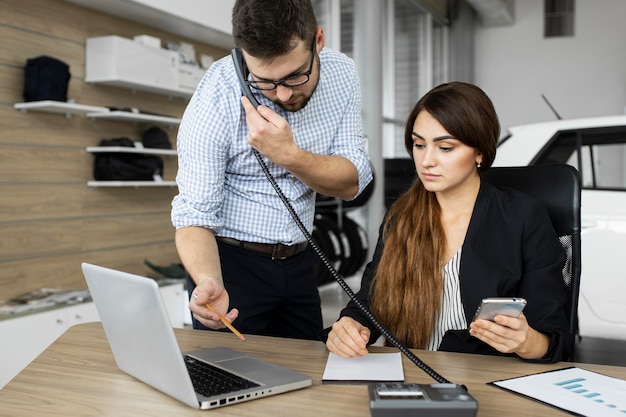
<point>208,301</point>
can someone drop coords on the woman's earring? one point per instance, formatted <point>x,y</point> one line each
<point>478,165</point>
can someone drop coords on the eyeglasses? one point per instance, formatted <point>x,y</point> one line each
<point>291,81</point>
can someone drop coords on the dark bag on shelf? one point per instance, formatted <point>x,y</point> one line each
<point>155,137</point>
<point>118,166</point>
<point>45,78</point>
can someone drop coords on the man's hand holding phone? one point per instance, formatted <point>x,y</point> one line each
<point>270,134</point>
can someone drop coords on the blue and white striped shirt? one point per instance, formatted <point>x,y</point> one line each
<point>221,185</point>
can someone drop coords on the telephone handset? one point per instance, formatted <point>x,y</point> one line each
<point>241,76</point>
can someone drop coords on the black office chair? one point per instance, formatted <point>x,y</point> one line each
<point>558,186</point>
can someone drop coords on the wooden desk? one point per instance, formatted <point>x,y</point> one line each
<point>77,376</point>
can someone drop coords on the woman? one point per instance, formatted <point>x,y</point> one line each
<point>452,240</point>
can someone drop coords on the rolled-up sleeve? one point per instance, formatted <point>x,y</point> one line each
<point>202,146</point>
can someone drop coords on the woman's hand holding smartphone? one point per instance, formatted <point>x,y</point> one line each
<point>506,306</point>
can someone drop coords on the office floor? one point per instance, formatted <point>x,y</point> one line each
<point>588,349</point>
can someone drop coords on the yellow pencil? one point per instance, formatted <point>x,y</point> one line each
<point>226,322</point>
<point>223,320</point>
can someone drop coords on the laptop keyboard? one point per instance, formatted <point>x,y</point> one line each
<point>209,380</point>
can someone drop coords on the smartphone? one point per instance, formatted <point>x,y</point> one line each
<point>507,306</point>
<point>240,66</point>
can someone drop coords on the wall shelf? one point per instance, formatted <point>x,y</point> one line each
<point>95,112</point>
<point>104,113</point>
<point>134,86</point>
<point>158,182</point>
<point>127,116</point>
<point>139,148</point>
<point>62,107</point>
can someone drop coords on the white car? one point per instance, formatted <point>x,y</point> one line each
<point>597,148</point>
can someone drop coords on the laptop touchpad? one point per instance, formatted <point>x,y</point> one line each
<point>243,365</point>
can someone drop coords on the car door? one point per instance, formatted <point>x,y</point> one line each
<point>600,156</point>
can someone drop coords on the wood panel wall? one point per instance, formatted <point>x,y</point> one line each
<point>50,220</point>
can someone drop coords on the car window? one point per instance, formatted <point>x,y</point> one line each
<point>599,154</point>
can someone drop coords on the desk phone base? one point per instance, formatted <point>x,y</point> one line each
<point>398,399</point>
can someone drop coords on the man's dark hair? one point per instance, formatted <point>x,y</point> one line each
<point>266,29</point>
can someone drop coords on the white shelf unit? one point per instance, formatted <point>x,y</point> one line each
<point>95,112</point>
<point>62,107</point>
<point>126,116</point>
<point>135,86</point>
<point>158,182</point>
<point>104,113</point>
<point>139,148</point>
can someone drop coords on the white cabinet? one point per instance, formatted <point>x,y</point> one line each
<point>119,61</point>
<point>23,338</point>
<point>124,63</point>
<point>172,295</point>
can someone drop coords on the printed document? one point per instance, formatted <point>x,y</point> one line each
<point>573,389</point>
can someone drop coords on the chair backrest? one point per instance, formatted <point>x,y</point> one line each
<point>558,186</point>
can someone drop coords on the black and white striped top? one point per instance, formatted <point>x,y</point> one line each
<point>452,314</point>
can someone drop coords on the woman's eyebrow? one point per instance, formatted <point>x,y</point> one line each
<point>438,138</point>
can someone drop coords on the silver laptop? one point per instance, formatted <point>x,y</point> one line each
<point>144,345</point>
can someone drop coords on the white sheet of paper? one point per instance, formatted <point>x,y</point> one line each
<point>372,367</point>
<point>574,389</point>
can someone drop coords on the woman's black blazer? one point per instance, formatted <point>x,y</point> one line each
<point>510,250</point>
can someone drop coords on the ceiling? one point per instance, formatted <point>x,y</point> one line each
<point>217,33</point>
<point>494,12</point>
<point>174,21</point>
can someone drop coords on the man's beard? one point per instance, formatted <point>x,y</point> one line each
<point>299,105</point>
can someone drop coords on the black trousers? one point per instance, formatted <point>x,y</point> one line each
<point>274,297</point>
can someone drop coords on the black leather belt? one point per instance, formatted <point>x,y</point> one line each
<point>275,250</point>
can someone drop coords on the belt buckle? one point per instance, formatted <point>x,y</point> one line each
<point>276,251</point>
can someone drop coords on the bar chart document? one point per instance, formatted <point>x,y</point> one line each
<point>573,389</point>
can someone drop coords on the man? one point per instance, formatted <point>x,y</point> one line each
<point>244,254</point>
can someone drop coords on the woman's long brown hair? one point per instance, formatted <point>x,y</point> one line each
<point>408,284</point>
